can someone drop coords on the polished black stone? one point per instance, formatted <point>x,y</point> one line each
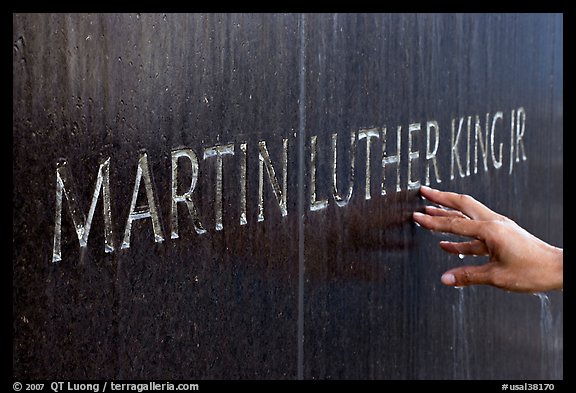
<point>349,292</point>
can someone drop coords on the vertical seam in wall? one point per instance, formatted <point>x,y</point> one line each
<point>301,162</point>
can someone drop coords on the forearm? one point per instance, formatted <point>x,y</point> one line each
<point>544,269</point>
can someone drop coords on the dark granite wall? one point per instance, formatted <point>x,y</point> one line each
<point>314,283</point>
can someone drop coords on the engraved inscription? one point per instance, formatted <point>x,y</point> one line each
<point>218,152</point>
<point>145,211</point>
<point>388,159</point>
<point>65,185</point>
<point>413,155</point>
<point>279,193</point>
<point>314,203</point>
<point>496,162</point>
<point>454,155</point>
<point>368,134</point>
<point>243,180</point>
<point>343,201</point>
<point>431,155</point>
<point>187,196</point>
<point>478,142</point>
<point>517,130</point>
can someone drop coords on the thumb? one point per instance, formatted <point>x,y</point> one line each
<point>467,275</point>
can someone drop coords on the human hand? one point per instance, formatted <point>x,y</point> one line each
<point>519,261</point>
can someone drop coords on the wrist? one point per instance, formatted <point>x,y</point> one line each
<point>560,267</point>
<point>556,268</point>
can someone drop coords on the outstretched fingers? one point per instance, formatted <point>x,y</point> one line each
<point>469,275</point>
<point>437,211</point>
<point>473,247</point>
<point>455,225</point>
<point>464,203</point>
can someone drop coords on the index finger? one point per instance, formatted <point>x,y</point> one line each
<point>462,202</point>
<point>455,225</point>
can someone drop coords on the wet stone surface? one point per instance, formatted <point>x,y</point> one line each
<point>230,196</point>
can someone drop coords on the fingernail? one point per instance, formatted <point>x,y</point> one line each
<point>418,215</point>
<point>448,279</point>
